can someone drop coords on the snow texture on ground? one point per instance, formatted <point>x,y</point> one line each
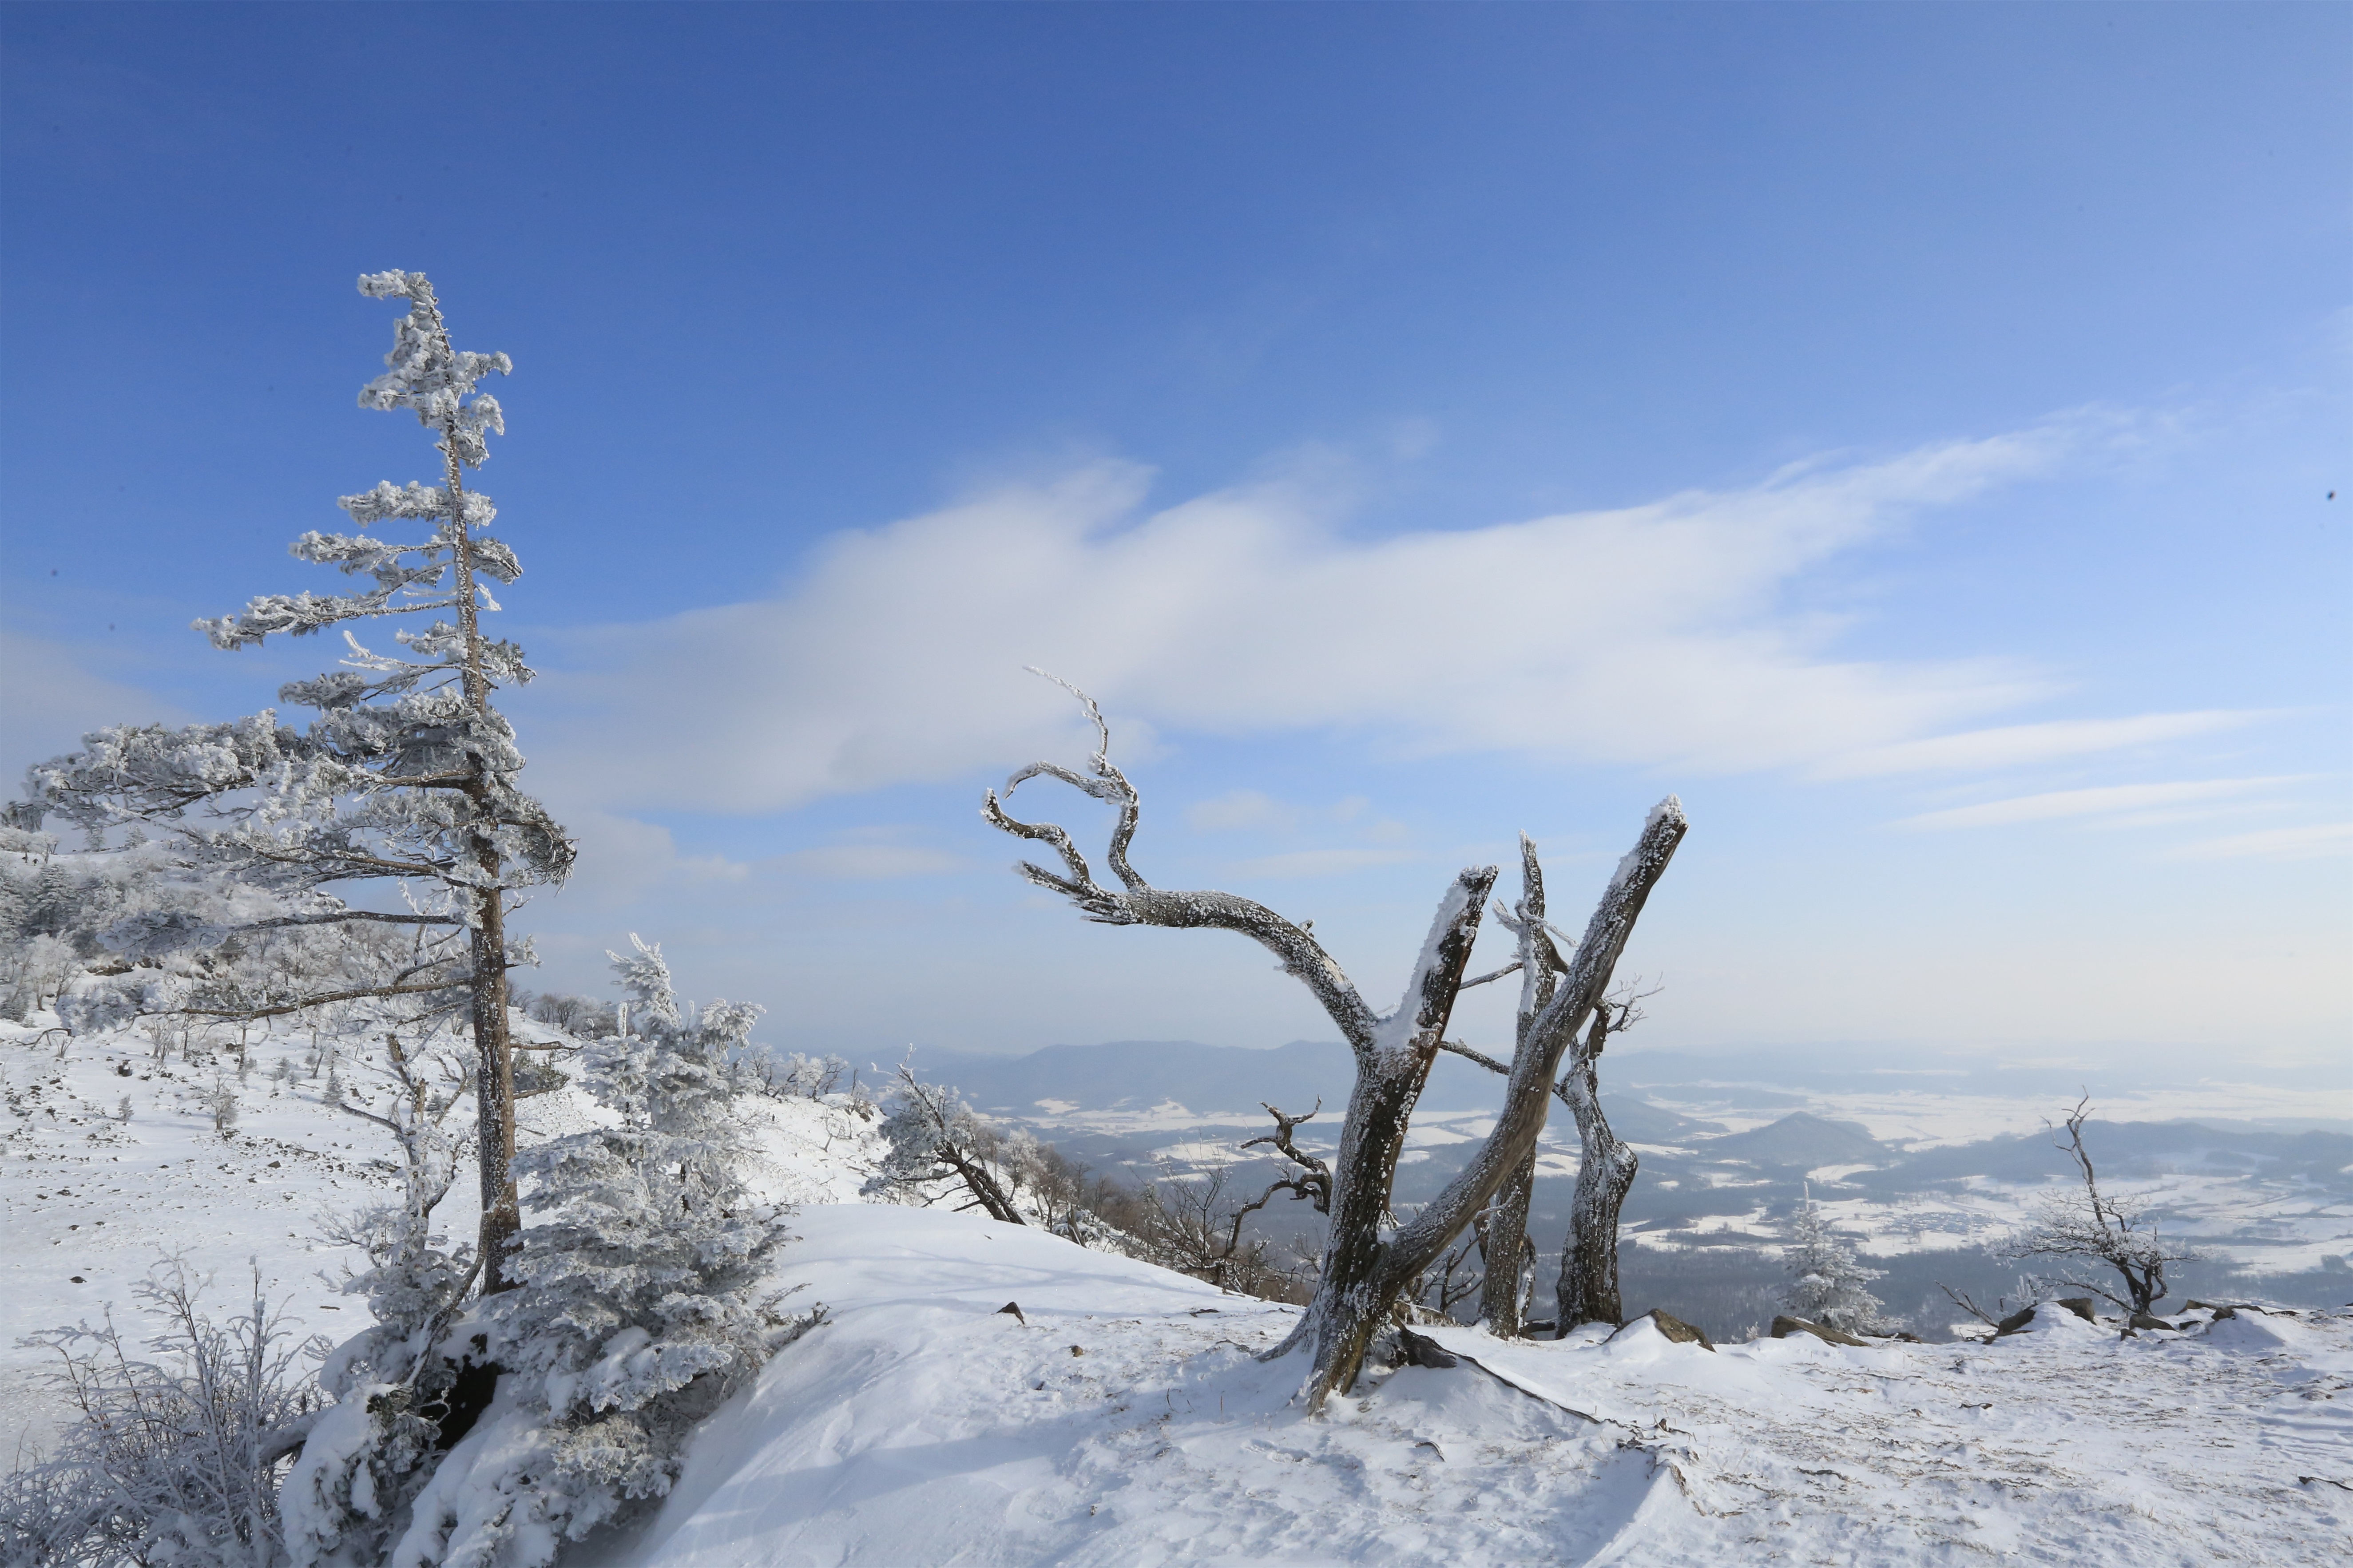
<point>89,1202</point>
<point>1122,1419</point>
<point>922,1426</point>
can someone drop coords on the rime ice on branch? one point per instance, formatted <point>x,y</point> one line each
<point>1370,1263</point>
<point>407,774</point>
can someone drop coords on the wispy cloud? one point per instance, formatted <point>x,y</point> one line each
<point>2016,745</point>
<point>1654,635</point>
<point>858,862</point>
<point>1239,810</point>
<point>49,697</point>
<point>2146,802</point>
<point>2313,842</point>
<point>1319,862</point>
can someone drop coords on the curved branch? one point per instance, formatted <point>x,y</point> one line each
<point>1143,904</point>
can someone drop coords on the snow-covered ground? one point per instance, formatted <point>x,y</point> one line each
<point>89,1202</point>
<point>1122,1419</point>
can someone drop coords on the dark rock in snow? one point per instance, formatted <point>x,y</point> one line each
<point>1675,1328</point>
<point>2082,1307</point>
<point>1783,1326</point>
<point>2016,1322</point>
<point>2150,1320</point>
<point>1014,1308</point>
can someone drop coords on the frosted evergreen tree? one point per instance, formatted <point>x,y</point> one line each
<point>1827,1282</point>
<point>406,777</point>
<point>939,1148</point>
<point>640,1305</point>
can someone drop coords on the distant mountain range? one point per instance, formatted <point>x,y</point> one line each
<point>1227,1085</point>
<point>2262,1192</point>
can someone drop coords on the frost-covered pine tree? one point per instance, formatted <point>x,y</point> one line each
<point>1826,1281</point>
<point>939,1148</point>
<point>641,1301</point>
<point>406,776</point>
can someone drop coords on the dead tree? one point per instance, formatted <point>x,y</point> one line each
<point>2116,1231</point>
<point>1367,1263</point>
<point>1587,1288</point>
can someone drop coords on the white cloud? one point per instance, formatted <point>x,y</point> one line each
<point>2311,842</point>
<point>1652,634</point>
<point>2015,745</point>
<point>1238,811</point>
<point>623,859</point>
<point>2139,804</point>
<point>861,862</point>
<point>51,697</point>
<point>1319,862</point>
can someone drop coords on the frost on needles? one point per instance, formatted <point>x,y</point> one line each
<point>404,785</point>
<point>639,1305</point>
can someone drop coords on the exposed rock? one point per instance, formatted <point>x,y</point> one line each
<point>1014,1308</point>
<point>1783,1326</point>
<point>2150,1320</point>
<point>2015,1323</point>
<point>2078,1305</point>
<point>1667,1324</point>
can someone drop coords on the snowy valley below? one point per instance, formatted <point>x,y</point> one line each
<point>1120,1416</point>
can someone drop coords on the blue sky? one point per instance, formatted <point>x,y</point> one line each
<point>1906,432</point>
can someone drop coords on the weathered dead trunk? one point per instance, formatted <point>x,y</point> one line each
<point>1587,1291</point>
<point>1365,1272</point>
<point>1505,1248</point>
<point>1355,1291</point>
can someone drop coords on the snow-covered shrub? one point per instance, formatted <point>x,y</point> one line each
<point>173,1461</point>
<point>1827,1282</point>
<point>2101,1228</point>
<point>797,1076</point>
<point>220,1103</point>
<point>640,1305</point>
<point>583,1017</point>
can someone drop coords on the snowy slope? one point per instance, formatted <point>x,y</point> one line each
<point>924,1425</point>
<point>88,1202</point>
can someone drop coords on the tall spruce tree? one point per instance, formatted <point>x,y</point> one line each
<point>406,777</point>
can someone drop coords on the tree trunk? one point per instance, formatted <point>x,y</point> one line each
<point>1351,1297</point>
<point>494,1072</point>
<point>494,1087</point>
<point>1364,1275</point>
<point>1505,1251</point>
<point>1587,1291</point>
